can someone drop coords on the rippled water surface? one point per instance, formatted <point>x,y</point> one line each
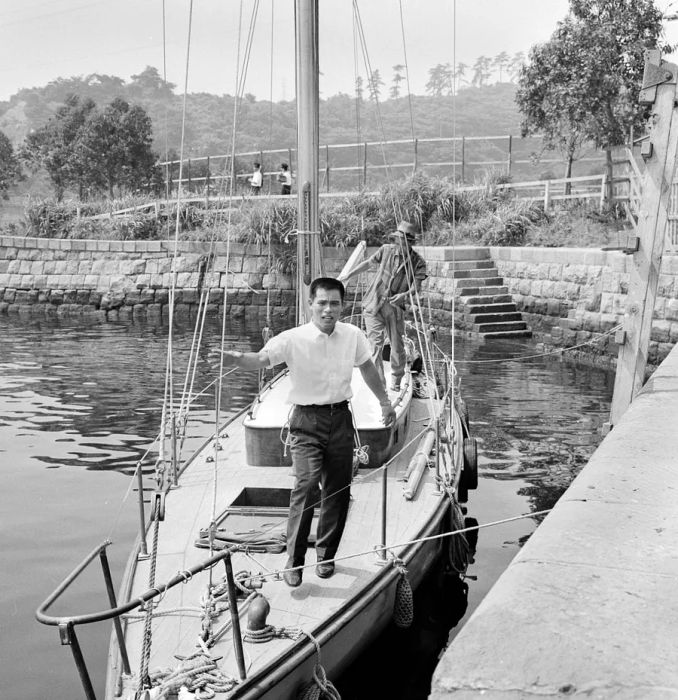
<point>80,404</point>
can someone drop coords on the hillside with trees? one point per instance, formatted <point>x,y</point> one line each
<point>480,108</point>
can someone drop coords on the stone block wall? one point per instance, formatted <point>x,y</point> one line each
<point>114,279</point>
<point>567,296</point>
<point>570,296</point>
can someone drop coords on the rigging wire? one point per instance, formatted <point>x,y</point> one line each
<point>368,68</point>
<point>407,70</point>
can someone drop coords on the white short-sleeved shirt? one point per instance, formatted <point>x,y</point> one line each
<point>320,365</point>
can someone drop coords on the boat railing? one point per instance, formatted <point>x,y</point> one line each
<point>67,623</point>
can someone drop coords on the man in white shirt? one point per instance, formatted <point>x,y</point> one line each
<point>257,179</point>
<point>320,356</point>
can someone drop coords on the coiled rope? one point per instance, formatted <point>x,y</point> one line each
<point>197,673</point>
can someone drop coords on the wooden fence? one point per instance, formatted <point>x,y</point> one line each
<point>358,166</point>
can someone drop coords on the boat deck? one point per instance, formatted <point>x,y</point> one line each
<point>212,484</point>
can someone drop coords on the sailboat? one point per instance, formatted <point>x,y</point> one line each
<point>202,608</point>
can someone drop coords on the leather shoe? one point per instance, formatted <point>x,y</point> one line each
<point>292,578</point>
<point>324,569</point>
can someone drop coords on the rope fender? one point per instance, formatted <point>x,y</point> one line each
<point>403,608</point>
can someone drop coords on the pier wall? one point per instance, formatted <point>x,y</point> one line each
<point>567,296</point>
<point>587,607</point>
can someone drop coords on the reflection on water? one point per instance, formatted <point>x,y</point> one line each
<point>80,405</point>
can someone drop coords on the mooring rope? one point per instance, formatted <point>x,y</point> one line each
<point>319,687</point>
<point>144,680</point>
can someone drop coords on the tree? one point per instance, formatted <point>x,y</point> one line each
<point>440,80</point>
<point>374,84</point>
<point>481,71</point>
<point>515,64</point>
<point>115,148</point>
<point>54,146</point>
<point>501,61</point>
<point>359,89</point>
<point>586,78</point>
<point>148,83</point>
<point>397,79</point>
<point>93,150</point>
<point>10,169</point>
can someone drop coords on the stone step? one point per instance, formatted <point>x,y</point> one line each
<point>475,273</point>
<point>483,292</point>
<point>466,265</point>
<point>508,334</point>
<point>491,308</point>
<point>478,282</point>
<point>489,299</point>
<point>447,253</point>
<point>494,327</point>
<point>476,319</point>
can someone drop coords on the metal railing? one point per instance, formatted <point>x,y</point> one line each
<point>68,623</point>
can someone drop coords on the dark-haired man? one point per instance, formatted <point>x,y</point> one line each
<point>400,272</point>
<point>320,356</point>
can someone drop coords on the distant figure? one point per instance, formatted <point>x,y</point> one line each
<point>400,272</point>
<point>257,179</point>
<point>285,178</point>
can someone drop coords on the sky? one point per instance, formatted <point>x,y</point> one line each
<point>41,40</point>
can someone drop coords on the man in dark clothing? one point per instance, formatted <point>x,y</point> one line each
<point>400,272</point>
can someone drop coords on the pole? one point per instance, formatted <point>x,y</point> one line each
<point>235,618</point>
<point>114,604</point>
<point>659,90</point>
<point>384,494</point>
<point>69,638</point>
<point>142,517</point>
<point>308,130</point>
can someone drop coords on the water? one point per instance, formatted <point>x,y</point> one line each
<point>79,405</point>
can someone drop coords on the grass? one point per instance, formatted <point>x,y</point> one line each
<point>488,216</point>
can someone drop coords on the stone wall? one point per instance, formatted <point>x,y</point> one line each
<point>569,296</point>
<point>118,279</point>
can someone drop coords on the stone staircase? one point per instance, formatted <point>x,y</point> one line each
<point>483,303</point>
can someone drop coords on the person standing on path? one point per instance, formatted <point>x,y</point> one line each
<point>320,356</point>
<point>400,272</point>
<point>257,180</point>
<point>285,179</point>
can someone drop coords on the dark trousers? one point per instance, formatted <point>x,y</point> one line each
<point>321,439</point>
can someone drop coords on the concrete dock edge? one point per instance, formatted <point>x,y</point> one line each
<point>588,608</point>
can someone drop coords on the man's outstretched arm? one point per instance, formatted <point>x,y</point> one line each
<point>246,360</point>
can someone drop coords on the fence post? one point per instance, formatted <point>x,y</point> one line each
<point>207,184</point>
<point>603,183</point>
<point>365,166</point>
<point>416,156</point>
<point>188,174</point>
<point>463,159</point>
<point>510,148</point>
<point>327,166</point>
<point>547,195</point>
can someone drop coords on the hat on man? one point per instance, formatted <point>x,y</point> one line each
<point>407,229</point>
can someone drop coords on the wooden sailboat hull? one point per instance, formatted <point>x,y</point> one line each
<point>343,614</point>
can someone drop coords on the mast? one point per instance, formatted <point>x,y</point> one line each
<point>308,136</point>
